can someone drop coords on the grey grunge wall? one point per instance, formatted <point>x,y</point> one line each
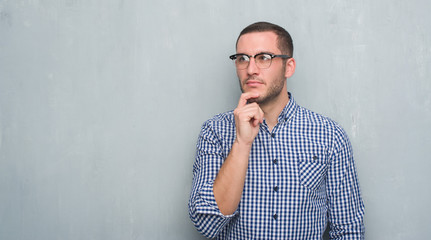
<point>101,103</point>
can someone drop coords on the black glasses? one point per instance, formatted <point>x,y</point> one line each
<point>263,60</point>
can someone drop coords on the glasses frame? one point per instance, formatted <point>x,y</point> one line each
<point>235,56</point>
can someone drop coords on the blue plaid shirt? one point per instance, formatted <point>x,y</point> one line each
<point>300,177</point>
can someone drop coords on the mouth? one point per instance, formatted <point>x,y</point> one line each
<point>253,83</point>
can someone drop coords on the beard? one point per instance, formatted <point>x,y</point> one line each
<point>272,92</point>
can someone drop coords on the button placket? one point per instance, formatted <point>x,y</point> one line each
<point>274,179</point>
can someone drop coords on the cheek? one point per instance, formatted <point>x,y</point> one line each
<point>238,74</point>
<point>241,75</point>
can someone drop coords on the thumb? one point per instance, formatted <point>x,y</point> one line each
<point>245,97</point>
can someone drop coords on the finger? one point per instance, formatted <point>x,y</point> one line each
<point>256,122</point>
<point>258,119</point>
<point>251,110</point>
<point>253,114</point>
<point>245,97</point>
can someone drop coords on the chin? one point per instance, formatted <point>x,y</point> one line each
<point>258,100</point>
<point>252,100</point>
<point>248,89</point>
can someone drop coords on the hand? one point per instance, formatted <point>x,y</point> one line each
<point>248,117</point>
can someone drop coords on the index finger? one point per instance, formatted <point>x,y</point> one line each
<point>245,97</point>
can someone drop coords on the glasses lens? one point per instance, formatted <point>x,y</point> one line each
<point>241,61</point>
<point>263,60</point>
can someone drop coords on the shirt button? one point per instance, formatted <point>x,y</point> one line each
<point>276,188</point>
<point>273,135</point>
<point>275,216</point>
<point>274,161</point>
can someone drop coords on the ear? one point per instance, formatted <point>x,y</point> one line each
<point>290,67</point>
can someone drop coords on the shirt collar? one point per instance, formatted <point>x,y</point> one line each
<point>289,110</point>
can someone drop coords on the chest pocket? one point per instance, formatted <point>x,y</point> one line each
<point>312,170</point>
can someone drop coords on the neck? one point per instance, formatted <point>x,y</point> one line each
<point>273,109</point>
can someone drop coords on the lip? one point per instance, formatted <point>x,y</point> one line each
<point>253,83</point>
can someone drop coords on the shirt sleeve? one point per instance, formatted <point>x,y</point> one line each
<point>345,205</point>
<point>203,209</point>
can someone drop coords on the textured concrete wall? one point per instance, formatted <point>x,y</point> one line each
<point>101,103</point>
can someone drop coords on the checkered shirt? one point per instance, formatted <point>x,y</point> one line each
<point>300,177</point>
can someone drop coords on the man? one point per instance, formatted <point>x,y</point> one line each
<point>271,169</point>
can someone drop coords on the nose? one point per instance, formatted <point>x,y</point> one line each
<point>252,69</point>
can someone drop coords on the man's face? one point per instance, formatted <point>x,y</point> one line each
<point>267,82</point>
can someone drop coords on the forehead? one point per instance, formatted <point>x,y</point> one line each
<point>256,42</point>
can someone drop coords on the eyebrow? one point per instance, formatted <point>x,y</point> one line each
<point>256,53</point>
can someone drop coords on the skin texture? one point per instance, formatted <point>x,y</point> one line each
<point>264,97</point>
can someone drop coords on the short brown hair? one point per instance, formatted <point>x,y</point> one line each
<point>284,39</point>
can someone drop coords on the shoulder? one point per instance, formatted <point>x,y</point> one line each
<point>313,119</point>
<point>220,120</point>
<point>323,129</point>
<point>219,124</point>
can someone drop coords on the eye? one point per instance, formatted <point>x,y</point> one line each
<point>242,58</point>
<point>264,57</point>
